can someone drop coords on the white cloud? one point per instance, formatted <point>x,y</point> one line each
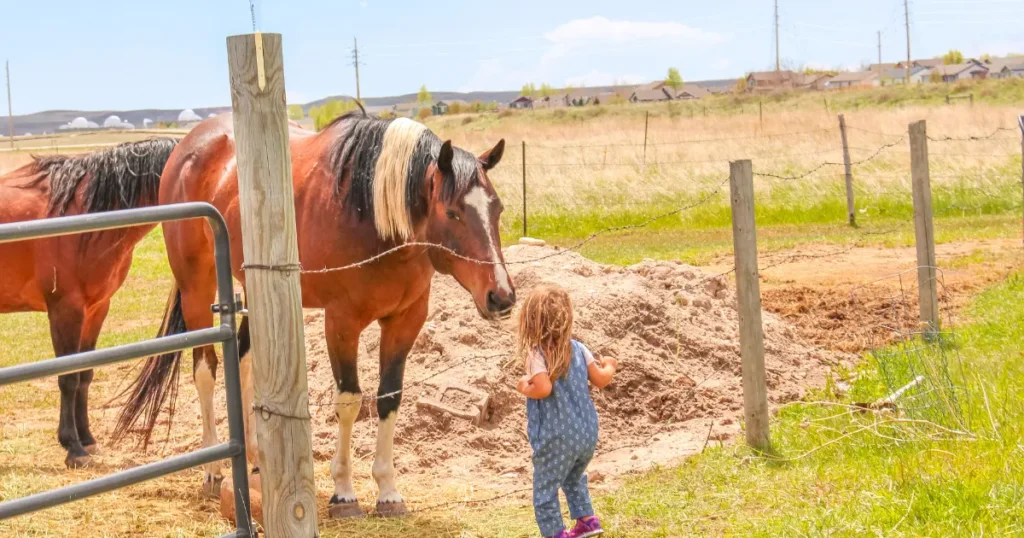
<point>584,34</point>
<point>576,38</point>
<point>600,78</point>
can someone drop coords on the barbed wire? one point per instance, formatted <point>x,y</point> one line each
<point>682,142</point>
<point>829,163</point>
<point>574,247</point>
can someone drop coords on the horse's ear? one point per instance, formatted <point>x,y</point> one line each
<point>444,158</point>
<point>492,157</point>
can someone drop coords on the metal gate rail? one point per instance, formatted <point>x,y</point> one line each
<point>224,334</point>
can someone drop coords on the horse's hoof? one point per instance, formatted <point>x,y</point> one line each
<point>77,462</point>
<point>343,510</point>
<point>391,509</point>
<point>92,449</point>
<point>211,488</point>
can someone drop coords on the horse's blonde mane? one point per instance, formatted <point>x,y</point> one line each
<point>391,216</point>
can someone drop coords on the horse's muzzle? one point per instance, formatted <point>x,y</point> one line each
<point>499,305</point>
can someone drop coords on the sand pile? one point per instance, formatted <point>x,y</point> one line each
<point>672,327</point>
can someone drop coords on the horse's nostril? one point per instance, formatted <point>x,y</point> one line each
<point>497,303</point>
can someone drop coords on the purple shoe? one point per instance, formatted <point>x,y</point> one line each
<point>585,527</point>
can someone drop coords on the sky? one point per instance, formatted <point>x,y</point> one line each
<point>130,54</point>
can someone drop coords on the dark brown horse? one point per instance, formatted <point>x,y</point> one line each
<point>72,278</point>
<point>362,186</point>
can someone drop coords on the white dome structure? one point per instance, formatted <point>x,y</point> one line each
<point>188,115</point>
<point>112,121</point>
<point>79,123</point>
<point>146,123</point>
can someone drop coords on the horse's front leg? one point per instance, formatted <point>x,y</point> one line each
<point>397,335</point>
<point>342,335</point>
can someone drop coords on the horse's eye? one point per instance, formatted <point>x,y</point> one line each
<point>452,215</point>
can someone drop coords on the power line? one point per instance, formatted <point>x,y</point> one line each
<point>906,16</point>
<point>355,63</point>
<point>777,63</point>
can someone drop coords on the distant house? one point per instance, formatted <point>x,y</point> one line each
<point>647,95</point>
<point>880,68</point>
<point>812,81</point>
<point>1006,67</point>
<point>719,86</point>
<point>406,110</point>
<point>770,81</point>
<point>551,101</point>
<point>929,63</point>
<point>852,79</point>
<point>691,91</point>
<point>579,98</point>
<point>608,98</point>
<point>965,71</point>
<point>897,75</point>
<point>439,108</point>
<point>521,102</point>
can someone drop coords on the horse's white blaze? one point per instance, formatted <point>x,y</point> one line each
<point>481,203</point>
<point>205,385</point>
<point>384,461</point>
<point>346,406</point>
<point>245,370</point>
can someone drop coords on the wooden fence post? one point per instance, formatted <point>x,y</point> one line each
<point>1020,123</point>
<point>748,298</point>
<point>270,250</point>
<point>927,281</point>
<point>524,190</point>
<point>760,114</point>
<point>851,213</point>
<point>647,119</point>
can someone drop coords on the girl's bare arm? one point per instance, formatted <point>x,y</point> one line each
<point>536,387</point>
<point>601,372</point>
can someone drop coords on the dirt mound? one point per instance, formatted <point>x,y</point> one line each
<point>672,327</point>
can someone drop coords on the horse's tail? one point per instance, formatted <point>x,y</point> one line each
<point>122,177</point>
<point>157,384</point>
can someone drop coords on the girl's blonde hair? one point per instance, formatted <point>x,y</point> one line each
<point>545,324</point>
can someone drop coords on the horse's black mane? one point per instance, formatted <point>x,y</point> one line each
<point>122,177</point>
<point>358,148</point>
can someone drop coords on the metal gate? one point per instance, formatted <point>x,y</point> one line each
<point>224,334</point>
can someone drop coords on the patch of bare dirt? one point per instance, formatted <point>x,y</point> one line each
<point>672,327</point>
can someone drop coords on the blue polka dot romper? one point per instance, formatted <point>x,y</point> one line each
<point>563,434</point>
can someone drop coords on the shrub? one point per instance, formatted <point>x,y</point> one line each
<point>424,113</point>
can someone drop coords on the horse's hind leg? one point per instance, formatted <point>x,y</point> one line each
<point>343,347</point>
<point>90,333</point>
<point>397,335</point>
<point>66,318</point>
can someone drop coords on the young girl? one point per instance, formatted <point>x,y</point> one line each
<point>561,418</point>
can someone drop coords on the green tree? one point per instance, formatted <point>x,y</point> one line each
<point>529,90</point>
<point>674,80</point>
<point>545,90</point>
<point>986,57</point>
<point>295,112</point>
<point>329,111</point>
<point>423,96</point>
<point>953,57</point>
<point>741,85</point>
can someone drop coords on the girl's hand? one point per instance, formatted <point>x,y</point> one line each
<point>524,383</point>
<point>600,374</point>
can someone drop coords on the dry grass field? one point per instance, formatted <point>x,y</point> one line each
<point>586,170</point>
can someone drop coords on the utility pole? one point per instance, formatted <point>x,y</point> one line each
<point>879,54</point>
<point>10,113</point>
<point>906,18</point>
<point>777,63</point>
<point>355,62</point>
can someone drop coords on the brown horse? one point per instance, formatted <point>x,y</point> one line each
<point>72,278</point>
<point>362,186</point>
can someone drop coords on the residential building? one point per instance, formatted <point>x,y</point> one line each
<point>645,95</point>
<point>691,91</point>
<point>897,75</point>
<point>521,102</point>
<point>768,81</point>
<point>965,71</point>
<point>852,79</point>
<point>439,108</point>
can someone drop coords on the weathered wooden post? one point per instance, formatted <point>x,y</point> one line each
<point>927,282</point>
<point>1020,123</point>
<point>647,119</point>
<point>270,251</point>
<point>748,298</point>
<point>851,213</point>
